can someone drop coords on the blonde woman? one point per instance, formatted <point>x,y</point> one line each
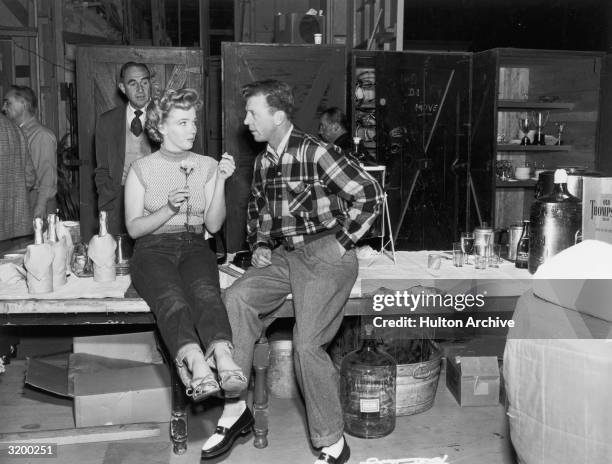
<point>173,199</point>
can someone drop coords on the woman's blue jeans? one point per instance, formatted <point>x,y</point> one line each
<point>176,274</point>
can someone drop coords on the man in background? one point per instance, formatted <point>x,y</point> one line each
<point>20,105</point>
<point>333,128</point>
<point>16,172</point>
<point>120,140</point>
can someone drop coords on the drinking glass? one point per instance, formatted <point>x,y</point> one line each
<point>480,262</point>
<point>496,256</point>
<point>457,254</point>
<point>467,245</point>
<point>434,260</point>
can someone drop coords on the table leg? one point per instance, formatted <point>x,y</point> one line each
<point>178,421</point>
<point>261,360</point>
<point>178,415</point>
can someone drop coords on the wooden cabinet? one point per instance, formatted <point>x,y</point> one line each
<point>508,84</point>
<point>454,116</point>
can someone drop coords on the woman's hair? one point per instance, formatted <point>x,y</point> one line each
<point>159,108</point>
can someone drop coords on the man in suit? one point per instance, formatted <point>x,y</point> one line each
<point>120,140</point>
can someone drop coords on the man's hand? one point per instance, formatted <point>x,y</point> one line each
<point>262,257</point>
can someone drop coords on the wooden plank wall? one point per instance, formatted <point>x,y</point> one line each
<point>604,143</point>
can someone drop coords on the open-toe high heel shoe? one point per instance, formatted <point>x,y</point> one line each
<point>242,426</point>
<point>232,382</point>
<point>204,388</point>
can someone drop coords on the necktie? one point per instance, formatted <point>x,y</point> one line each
<point>136,125</point>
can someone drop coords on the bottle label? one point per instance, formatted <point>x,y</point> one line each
<point>368,405</point>
<point>522,256</point>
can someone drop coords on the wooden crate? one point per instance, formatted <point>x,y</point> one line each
<point>97,76</point>
<point>317,74</point>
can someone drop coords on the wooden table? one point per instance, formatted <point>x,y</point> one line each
<point>133,310</point>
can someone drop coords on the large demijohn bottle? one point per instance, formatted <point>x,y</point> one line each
<point>367,386</point>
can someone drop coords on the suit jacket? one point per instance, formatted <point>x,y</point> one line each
<point>110,158</point>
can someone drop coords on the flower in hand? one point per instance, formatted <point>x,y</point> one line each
<point>187,166</point>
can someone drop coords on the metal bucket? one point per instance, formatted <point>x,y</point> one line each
<point>281,375</point>
<point>416,383</point>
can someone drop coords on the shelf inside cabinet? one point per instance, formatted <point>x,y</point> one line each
<point>530,183</point>
<point>510,105</point>
<point>511,147</point>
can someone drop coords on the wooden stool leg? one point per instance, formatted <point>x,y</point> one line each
<point>261,360</point>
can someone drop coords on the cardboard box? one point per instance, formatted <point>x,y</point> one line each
<point>597,209</point>
<point>107,391</point>
<point>473,380</point>
<point>140,346</point>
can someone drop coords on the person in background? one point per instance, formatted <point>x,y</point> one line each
<point>20,105</point>
<point>333,128</point>
<point>120,139</point>
<point>16,175</point>
<point>173,199</point>
<point>309,205</point>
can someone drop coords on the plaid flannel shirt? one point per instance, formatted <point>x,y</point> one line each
<point>308,189</point>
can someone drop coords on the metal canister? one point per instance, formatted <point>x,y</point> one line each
<point>483,240</point>
<point>514,235</point>
<point>555,221</point>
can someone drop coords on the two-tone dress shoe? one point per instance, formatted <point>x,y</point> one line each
<point>345,454</point>
<point>243,426</point>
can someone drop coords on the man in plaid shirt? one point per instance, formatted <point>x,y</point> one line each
<point>309,206</point>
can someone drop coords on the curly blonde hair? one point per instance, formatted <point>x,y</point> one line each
<point>159,109</point>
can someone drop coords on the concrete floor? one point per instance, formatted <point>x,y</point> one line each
<point>474,435</point>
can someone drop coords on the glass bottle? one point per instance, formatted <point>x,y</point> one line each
<point>60,252</point>
<point>356,150</point>
<point>38,231</point>
<point>102,252</point>
<point>38,262</point>
<point>367,386</point>
<point>522,249</point>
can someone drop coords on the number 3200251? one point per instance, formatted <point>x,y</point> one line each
<point>42,450</point>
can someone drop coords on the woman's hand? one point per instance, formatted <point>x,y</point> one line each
<point>226,166</point>
<point>176,198</point>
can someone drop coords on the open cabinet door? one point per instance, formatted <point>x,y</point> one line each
<point>317,74</point>
<point>97,75</point>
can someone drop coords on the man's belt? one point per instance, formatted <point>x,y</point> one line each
<point>287,244</point>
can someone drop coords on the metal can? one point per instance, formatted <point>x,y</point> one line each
<point>514,235</point>
<point>483,240</point>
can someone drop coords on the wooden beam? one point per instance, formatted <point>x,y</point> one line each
<point>399,26</point>
<point>82,435</point>
<point>205,30</point>
<point>18,31</point>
